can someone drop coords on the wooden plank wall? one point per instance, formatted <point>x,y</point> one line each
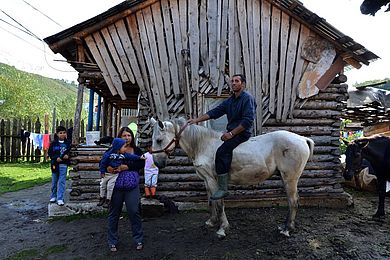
<point>175,49</point>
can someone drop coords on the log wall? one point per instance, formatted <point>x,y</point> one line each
<point>317,118</point>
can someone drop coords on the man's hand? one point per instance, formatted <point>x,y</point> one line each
<point>192,121</point>
<point>59,159</point>
<point>227,136</point>
<point>65,157</point>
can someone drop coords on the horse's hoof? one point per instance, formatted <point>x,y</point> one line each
<point>285,232</point>
<point>378,217</point>
<point>221,234</point>
<point>209,223</point>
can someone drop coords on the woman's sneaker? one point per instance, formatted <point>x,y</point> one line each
<point>52,200</point>
<point>60,203</point>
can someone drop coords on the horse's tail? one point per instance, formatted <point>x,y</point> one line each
<point>310,143</point>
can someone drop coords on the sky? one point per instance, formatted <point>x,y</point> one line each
<point>29,54</point>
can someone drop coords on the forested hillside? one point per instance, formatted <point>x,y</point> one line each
<point>25,94</point>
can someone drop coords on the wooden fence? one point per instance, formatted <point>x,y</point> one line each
<point>14,148</point>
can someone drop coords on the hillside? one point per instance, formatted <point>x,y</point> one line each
<point>25,94</point>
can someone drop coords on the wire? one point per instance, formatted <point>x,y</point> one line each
<point>10,24</point>
<point>42,13</point>
<point>32,34</point>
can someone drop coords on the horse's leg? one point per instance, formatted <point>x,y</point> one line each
<point>211,187</point>
<point>382,193</point>
<point>213,220</point>
<point>217,209</point>
<point>290,184</point>
<point>220,206</point>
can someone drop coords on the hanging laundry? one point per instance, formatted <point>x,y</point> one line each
<point>46,141</point>
<point>37,140</point>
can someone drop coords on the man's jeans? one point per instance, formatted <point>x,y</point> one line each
<point>224,154</point>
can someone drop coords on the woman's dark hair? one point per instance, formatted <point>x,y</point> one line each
<point>126,129</point>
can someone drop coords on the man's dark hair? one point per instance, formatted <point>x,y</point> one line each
<point>242,77</point>
<point>60,129</point>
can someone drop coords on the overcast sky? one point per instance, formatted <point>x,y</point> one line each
<point>29,54</point>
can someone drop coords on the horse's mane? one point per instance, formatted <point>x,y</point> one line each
<point>194,133</point>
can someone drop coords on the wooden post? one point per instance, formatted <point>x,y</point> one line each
<point>28,147</point>
<point>2,137</point>
<point>114,121</point>
<point>37,130</point>
<point>105,118</point>
<point>7,140</point>
<point>77,114</point>
<point>109,120</point>
<point>98,112</point>
<point>53,126</point>
<point>90,110</point>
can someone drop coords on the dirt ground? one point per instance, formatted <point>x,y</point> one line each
<point>25,232</point>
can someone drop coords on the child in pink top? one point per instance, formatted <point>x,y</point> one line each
<point>151,175</point>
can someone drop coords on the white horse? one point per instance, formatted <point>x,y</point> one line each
<point>253,161</point>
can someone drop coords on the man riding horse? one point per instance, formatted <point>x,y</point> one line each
<point>240,110</point>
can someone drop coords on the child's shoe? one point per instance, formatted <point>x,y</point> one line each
<point>60,203</point>
<point>52,200</point>
<point>101,201</point>
<point>106,204</point>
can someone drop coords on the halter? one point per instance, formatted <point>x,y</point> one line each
<point>175,140</point>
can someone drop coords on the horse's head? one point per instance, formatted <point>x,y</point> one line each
<point>353,158</point>
<point>163,134</point>
<point>372,6</point>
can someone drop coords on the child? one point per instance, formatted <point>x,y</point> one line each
<point>59,154</point>
<point>114,157</point>
<point>151,175</point>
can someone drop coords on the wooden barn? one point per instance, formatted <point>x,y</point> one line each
<point>169,58</point>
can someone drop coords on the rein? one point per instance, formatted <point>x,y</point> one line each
<point>175,140</point>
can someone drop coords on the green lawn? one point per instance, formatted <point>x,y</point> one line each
<point>17,176</point>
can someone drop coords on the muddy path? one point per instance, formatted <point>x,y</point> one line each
<point>321,233</point>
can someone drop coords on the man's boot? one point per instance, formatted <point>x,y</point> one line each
<point>222,187</point>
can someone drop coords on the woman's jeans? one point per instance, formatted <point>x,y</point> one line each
<point>132,201</point>
<point>58,181</point>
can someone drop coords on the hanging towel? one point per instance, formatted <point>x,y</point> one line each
<point>46,141</point>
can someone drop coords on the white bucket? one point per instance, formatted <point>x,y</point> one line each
<point>92,136</point>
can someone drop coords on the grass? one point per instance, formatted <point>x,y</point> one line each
<point>18,176</point>
<point>35,254</point>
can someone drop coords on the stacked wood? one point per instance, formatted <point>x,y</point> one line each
<point>178,180</point>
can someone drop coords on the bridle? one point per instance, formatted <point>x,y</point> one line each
<point>175,140</point>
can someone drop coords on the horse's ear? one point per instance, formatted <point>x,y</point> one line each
<point>161,124</point>
<point>362,142</point>
<point>152,121</point>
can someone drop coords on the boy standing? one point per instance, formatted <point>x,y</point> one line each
<point>59,154</point>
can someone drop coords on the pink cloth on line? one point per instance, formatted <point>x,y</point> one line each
<point>46,141</point>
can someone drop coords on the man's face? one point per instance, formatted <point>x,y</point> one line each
<point>237,84</point>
